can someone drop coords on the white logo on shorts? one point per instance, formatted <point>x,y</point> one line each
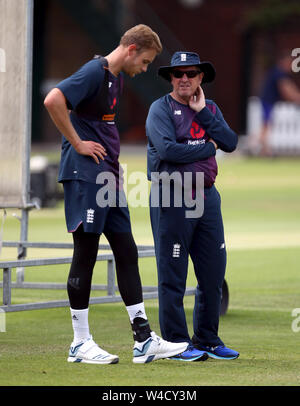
<point>176,250</point>
<point>90,215</point>
<point>177,112</point>
<point>183,57</point>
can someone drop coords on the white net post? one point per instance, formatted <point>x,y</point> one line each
<point>16,43</point>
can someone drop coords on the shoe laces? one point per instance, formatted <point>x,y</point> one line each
<point>217,346</point>
<point>156,338</point>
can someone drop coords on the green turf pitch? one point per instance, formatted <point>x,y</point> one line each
<point>261,208</point>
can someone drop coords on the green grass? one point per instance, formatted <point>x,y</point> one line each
<point>37,356</point>
<point>261,210</point>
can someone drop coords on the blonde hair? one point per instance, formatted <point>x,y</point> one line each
<point>143,37</point>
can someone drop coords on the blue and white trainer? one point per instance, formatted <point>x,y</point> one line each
<point>87,351</point>
<point>155,348</point>
<point>219,352</point>
<point>191,354</point>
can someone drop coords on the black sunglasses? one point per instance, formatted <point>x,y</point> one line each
<point>178,74</point>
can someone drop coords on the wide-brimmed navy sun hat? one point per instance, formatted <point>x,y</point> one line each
<point>183,58</point>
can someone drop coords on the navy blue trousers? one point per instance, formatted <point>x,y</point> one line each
<point>176,239</point>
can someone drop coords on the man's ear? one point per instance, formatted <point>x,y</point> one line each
<point>131,49</point>
<point>201,76</point>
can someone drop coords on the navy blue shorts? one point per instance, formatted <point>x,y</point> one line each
<point>81,208</point>
<point>267,109</point>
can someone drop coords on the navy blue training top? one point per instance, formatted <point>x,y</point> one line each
<point>92,115</point>
<point>270,92</point>
<point>178,138</point>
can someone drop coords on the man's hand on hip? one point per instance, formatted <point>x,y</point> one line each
<point>91,148</point>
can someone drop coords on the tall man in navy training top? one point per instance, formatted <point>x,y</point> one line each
<point>184,131</point>
<point>91,148</point>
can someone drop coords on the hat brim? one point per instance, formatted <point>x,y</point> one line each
<point>206,67</point>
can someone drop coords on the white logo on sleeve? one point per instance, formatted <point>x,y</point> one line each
<point>183,57</point>
<point>176,250</point>
<point>109,84</point>
<point>90,215</point>
<point>222,246</point>
<point>177,112</point>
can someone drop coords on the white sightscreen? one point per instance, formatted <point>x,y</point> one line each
<point>15,101</point>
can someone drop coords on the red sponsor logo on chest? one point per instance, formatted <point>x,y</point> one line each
<point>196,131</point>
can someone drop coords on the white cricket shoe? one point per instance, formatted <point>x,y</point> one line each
<point>155,348</point>
<point>87,351</point>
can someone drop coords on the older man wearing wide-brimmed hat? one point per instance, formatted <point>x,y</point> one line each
<point>187,73</point>
<point>184,130</point>
<point>180,59</point>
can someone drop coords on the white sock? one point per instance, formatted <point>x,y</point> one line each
<point>80,324</point>
<point>137,310</point>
